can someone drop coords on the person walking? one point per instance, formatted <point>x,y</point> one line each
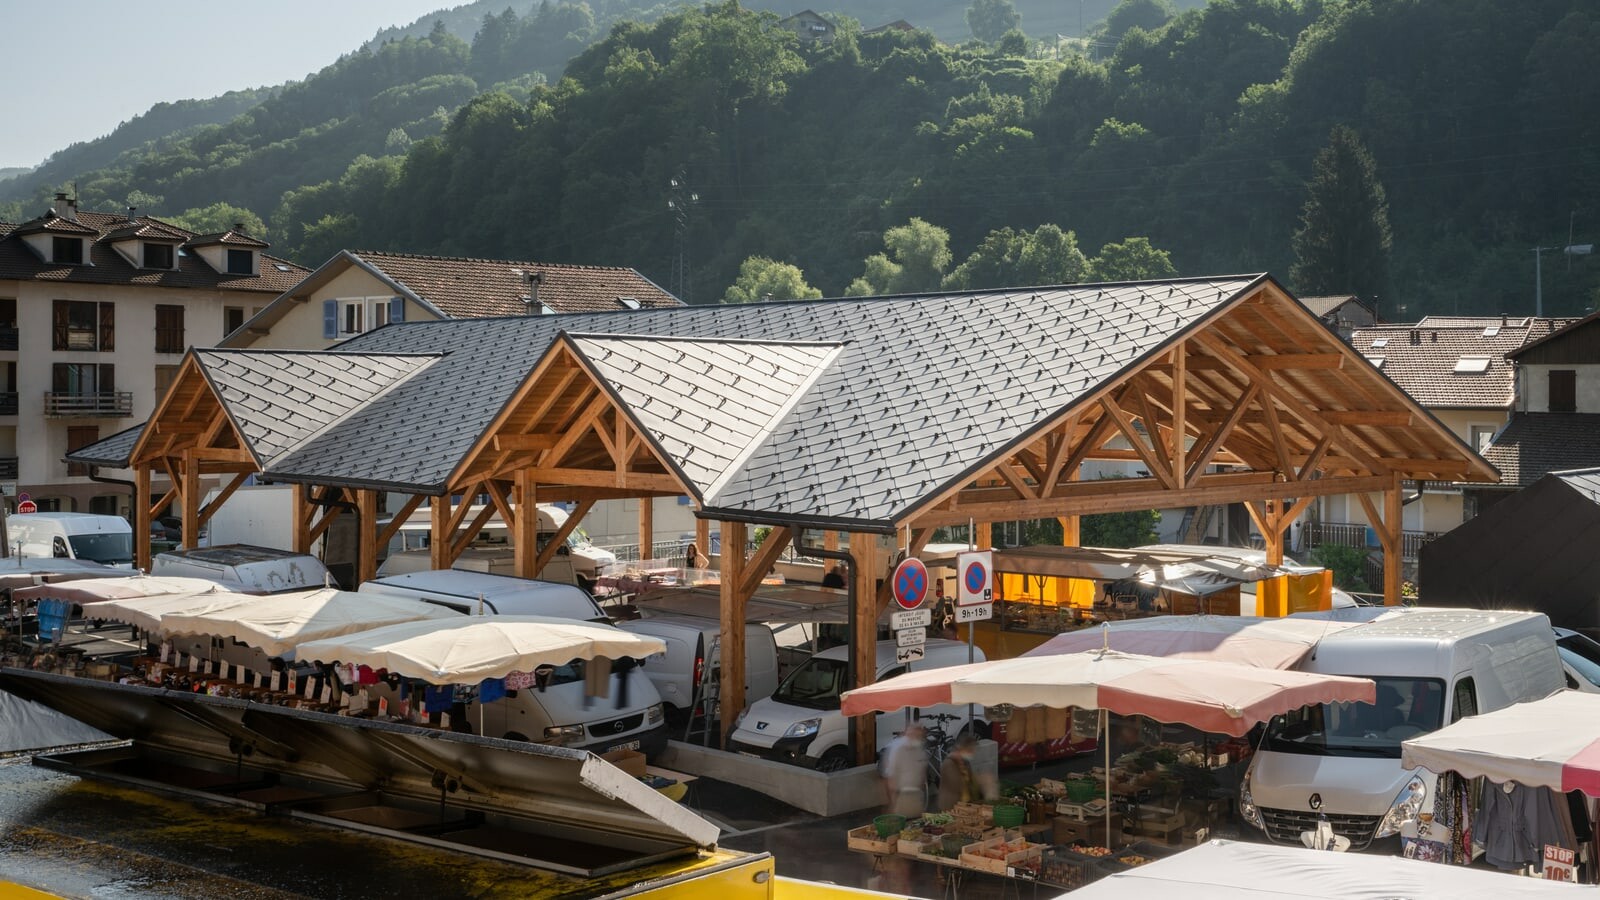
<point>906,773</point>
<point>956,782</point>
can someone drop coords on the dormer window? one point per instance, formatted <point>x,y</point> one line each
<point>241,262</point>
<point>629,302</point>
<point>158,256</point>
<point>68,250</point>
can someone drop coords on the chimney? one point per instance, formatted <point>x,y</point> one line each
<point>1502,320</point>
<point>65,208</point>
<point>133,214</point>
<point>238,227</point>
<point>1416,337</point>
<point>533,280</point>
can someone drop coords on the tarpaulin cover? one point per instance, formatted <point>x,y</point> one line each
<point>1272,643</point>
<point>1553,743</point>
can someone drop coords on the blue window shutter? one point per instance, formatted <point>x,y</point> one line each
<point>397,309</point>
<point>330,319</point>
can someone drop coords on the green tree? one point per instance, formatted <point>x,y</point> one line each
<point>1343,243</point>
<point>762,279</point>
<point>1124,529</point>
<point>1135,259</point>
<point>1130,14</point>
<point>1349,565</point>
<point>219,217</point>
<point>991,19</point>
<point>1012,43</point>
<point>1008,258</point>
<point>918,254</point>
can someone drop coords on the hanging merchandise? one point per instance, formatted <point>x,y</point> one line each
<point>1515,822</point>
<point>491,689</point>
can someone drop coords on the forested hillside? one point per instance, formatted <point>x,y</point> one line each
<point>1472,133</point>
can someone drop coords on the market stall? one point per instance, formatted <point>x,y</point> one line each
<point>1534,753</point>
<point>1215,697</point>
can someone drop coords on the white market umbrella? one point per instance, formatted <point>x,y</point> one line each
<point>278,624</point>
<point>90,591</point>
<point>1553,743</point>
<point>468,649</point>
<point>148,612</point>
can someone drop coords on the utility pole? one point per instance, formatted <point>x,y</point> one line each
<point>680,200</point>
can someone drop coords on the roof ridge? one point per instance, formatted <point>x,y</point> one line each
<point>482,259</point>
<point>674,338</point>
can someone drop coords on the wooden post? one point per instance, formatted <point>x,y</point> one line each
<point>1394,548</point>
<point>190,496</point>
<point>440,533</point>
<point>367,536</point>
<point>142,517</point>
<point>985,538</point>
<point>702,542</point>
<point>830,541</point>
<point>864,642</point>
<point>647,527</point>
<point>301,511</point>
<point>1272,533</point>
<point>732,656</point>
<point>525,527</point>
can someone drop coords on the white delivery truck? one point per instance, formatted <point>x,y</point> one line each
<point>801,722</point>
<point>504,595</point>
<point>1341,761</point>
<point>241,565</point>
<point>259,515</point>
<point>67,535</point>
<point>694,653</point>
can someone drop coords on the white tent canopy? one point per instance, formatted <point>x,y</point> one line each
<point>148,612</point>
<point>469,649</point>
<point>278,623</point>
<point>89,591</point>
<point>1248,640</point>
<point>1553,743</point>
<point>1225,870</point>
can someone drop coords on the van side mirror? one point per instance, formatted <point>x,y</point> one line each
<point>541,677</point>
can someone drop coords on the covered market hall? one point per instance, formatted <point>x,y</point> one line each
<point>837,422</point>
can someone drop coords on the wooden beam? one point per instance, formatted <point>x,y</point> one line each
<point>399,519</point>
<point>506,442</point>
<point>1386,537</point>
<point>1314,459</point>
<point>1059,453</point>
<point>439,530</point>
<point>524,527</point>
<point>1010,477</point>
<point>1393,561</point>
<point>761,562</point>
<point>329,511</point>
<point>191,500</point>
<point>222,497</point>
<point>142,517</point>
<point>559,539</point>
<point>1397,418</point>
<point>702,541</point>
<point>1152,429</point>
<point>465,538</point>
<point>983,540</point>
<point>1279,445</point>
<point>1197,466</point>
<point>1180,412</point>
<point>301,512</point>
<point>731,690</point>
<point>167,497</point>
<point>459,514</point>
<point>1125,425</point>
<point>181,429</point>
<point>864,640</point>
<point>1282,361</point>
<point>579,427</point>
<point>500,499</point>
<point>367,536</point>
<point>647,527</point>
<point>645,481</point>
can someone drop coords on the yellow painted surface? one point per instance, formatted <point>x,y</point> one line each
<point>10,891</point>
<point>722,874</point>
<point>792,889</point>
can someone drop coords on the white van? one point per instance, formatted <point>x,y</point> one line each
<point>500,594</point>
<point>491,551</point>
<point>801,722</point>
<point>254,568</point>
<point>692,645</point>
<point>107,540</point>
<point>1342,760</point>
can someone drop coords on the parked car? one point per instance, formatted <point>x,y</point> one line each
<point>693,645</point>
<point>801,722</point>
<point>1580,659</point>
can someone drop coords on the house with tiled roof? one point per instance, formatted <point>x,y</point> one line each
<point>1343,313</point>
<point>96,312</point>
<point>1554,423</point>
<point>809,26</point>
<point>1457,368</point>
<point>360,290</point>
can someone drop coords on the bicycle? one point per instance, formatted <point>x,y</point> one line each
<point>939,743</point>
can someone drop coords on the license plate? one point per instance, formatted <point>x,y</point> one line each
<point>630,745</point>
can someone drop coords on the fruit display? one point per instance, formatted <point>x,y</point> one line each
<point>1063,871</point>
<point>1096,852</point>
<point>1134,859</point>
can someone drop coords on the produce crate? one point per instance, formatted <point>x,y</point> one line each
<point>866,838</point>
<point>1067,870</point>
<point>913,846</point>
<point>997,855</point>
<point>1136,854</point>
<point>1050,787</point>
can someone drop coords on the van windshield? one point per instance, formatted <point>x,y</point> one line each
<point>110,549</point>
<point>1406,707</point>
<point>815,684</point>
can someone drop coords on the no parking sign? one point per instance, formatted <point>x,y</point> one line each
<point>910,583</point>
<point>976,577</point>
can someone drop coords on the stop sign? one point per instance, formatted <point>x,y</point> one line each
<point>27,506</point>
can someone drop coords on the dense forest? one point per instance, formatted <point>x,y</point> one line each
<point>1449,137</point>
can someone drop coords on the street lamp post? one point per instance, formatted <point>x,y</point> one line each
<point>1538,271</point>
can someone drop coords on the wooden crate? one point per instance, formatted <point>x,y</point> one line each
<point>866,839</point>
<point>915,846</point>
<point>972,857</point>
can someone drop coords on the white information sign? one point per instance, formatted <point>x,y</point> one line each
<point>911,618</point>
<point>910,637</point>
<point>974,578</point>
<point>975,613</point>
<point>907,654</point>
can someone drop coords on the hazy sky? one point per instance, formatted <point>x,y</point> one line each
<point>80,69</point>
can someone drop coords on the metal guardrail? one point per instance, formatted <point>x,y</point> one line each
<point>1347,535</point>
<point>8,403</point>
<point>673,550</point>
<point>8,338</point>
<point>109,403</point>
<point>8,468</point>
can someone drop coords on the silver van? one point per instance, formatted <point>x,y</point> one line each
<point>504,595</point>
<point>260,569</point>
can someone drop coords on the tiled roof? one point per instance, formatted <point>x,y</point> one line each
<point>54,224</point>
<point>709,403</point>
<point>1423,358</point>
<point>147,229</point>
<point>278,399</point>
<point>1584,481</point>
<point>1532,445</point>
<point>465,288</point>
<point>924,388</point>
<point>107,266</point>
<point>110,451</point>
<point>1324,305</point>
<point>231,237</point>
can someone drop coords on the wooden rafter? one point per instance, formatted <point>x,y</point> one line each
<point>548,552</point>
<point>759,564</point>
<point>399,519</point>
<point>210,509</point>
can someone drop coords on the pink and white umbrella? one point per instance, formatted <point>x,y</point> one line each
<point>1276,643</point>
<point>1215,697</point>
<point>1553,743</point>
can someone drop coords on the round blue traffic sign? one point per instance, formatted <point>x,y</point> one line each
<point>977,578</point>
<point>910,583</point>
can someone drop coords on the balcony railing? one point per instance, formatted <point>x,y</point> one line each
<point>8,403</point>
<point>109,403</point>
<point>8,468</point>
<point>8,339</point>
<point>1355,535</point>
